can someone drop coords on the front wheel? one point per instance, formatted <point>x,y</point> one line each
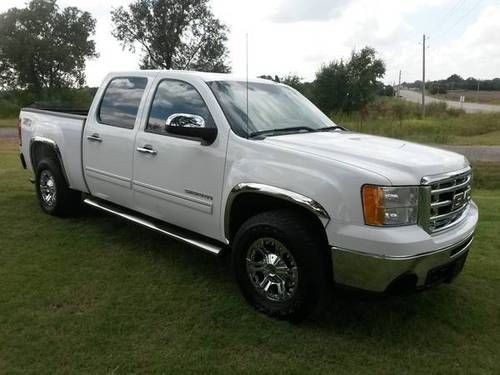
<point>281,265</point>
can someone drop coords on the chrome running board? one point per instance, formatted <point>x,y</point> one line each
<point>170,231</point>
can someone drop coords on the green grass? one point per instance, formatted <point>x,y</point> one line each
<point>8,122</point>
<point>464,129</point>
<point>94,294</point>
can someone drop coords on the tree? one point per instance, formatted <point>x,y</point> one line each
<point>330,88</point>
<point>294,81</point>
<point>350,85</point>
<point>173,34</point>
<point>454,78</point>
<point>267,76</point>
<point>44,47</point>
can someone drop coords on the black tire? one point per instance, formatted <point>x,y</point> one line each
<point>65,200</point>
<point>311,293</point>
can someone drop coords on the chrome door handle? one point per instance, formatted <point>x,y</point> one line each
<point>94,137</point>
<point>147,149</point>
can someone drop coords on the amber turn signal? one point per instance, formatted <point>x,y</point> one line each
<point>373,205</point>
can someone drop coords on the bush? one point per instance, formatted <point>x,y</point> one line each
<point>8,109</point>
<point>437,90</point>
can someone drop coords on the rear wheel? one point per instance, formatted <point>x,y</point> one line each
<point>54,195</point>
<point>281,265</point>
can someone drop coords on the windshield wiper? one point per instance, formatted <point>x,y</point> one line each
<point>329,128</point>
<point>262,133</point>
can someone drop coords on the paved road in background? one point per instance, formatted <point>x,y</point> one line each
<point>8,133</point>
<point>473,153</point>
<point>415,96</point>
<point>476,153</point>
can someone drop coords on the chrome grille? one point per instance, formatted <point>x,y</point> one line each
<point>445,199</point>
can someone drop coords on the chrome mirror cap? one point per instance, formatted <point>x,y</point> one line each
<point>185,120</point>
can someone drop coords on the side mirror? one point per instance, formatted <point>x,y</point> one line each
<point>192,126</point>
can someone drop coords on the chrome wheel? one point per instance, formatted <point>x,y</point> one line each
<point>47,188</point>
<point>272,269</point>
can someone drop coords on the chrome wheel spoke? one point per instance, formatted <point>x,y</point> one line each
<point>47,187</point>
<point>272,269</point>
<point>255,266</point>
<point>281,289</point>
<point>264,282</point>
<point>268,284</point>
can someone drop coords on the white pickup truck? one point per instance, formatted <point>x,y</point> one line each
<point>254,168</point>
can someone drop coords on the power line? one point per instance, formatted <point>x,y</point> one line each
<point>466,14</point>
<point>450,12</point>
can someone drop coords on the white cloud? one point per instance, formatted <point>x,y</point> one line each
<point>474,53</point>
<point>300,10</point>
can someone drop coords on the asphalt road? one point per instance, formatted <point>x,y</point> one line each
<point>8,133</point>
<point>476,153</point>
<point>415,96</point>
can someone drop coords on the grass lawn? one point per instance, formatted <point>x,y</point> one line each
<point>472,96</point>
<point>464,129</point>
<point>94,294</point>
<point>8,122</point>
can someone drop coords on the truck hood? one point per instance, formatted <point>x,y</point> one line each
<point>399,161</point>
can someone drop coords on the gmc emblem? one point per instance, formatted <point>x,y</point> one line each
<point>459,200</point>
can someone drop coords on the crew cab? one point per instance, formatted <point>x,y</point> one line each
<point>253,168</point>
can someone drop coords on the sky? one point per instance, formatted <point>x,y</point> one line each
<point>298,36</point>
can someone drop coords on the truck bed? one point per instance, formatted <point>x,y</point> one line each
<point>62,126</point>
<point>59,109</point>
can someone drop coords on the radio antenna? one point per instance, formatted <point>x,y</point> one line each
<point>247,81</point>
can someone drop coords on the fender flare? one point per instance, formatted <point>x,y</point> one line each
<point>276,192</point>
<point>52,145</point>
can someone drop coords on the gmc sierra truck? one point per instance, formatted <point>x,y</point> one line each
<point>254,168</point>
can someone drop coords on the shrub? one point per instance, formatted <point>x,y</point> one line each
<point>8,109</point>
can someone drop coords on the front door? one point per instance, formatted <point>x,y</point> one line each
<point>177,179</point>
<point>108,140</point>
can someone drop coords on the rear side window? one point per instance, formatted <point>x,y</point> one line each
<point>121,100</point>
<point>173,96</point>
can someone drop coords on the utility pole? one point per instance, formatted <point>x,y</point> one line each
<point>423,76</point>
<point>399,84</point>
<point>477,93</point>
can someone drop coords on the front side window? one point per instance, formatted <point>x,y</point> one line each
<point>260,107</point>
<point>120,102</point>
<point>171,97</point>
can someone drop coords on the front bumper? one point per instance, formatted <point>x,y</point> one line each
<point>380,273</point>
<point>376,259</point>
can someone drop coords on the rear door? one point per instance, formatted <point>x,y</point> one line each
<point>108,139</point>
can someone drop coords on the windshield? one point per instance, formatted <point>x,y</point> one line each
<point>270,107</point>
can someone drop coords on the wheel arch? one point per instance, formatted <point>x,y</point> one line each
<point>41,147</point>
<point>248,199</point>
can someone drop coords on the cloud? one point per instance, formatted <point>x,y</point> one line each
<point>474,52</point>
<point>311,10</point>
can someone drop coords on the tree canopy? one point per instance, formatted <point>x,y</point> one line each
<point>43,46</point>
<point>348,85</point>
<point>456,82</point>
<point>173,34</point>
<point>343,86</point>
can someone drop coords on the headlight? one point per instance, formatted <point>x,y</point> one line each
<point>386,206</point>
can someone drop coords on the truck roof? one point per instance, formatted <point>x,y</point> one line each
<point>205,76</point>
